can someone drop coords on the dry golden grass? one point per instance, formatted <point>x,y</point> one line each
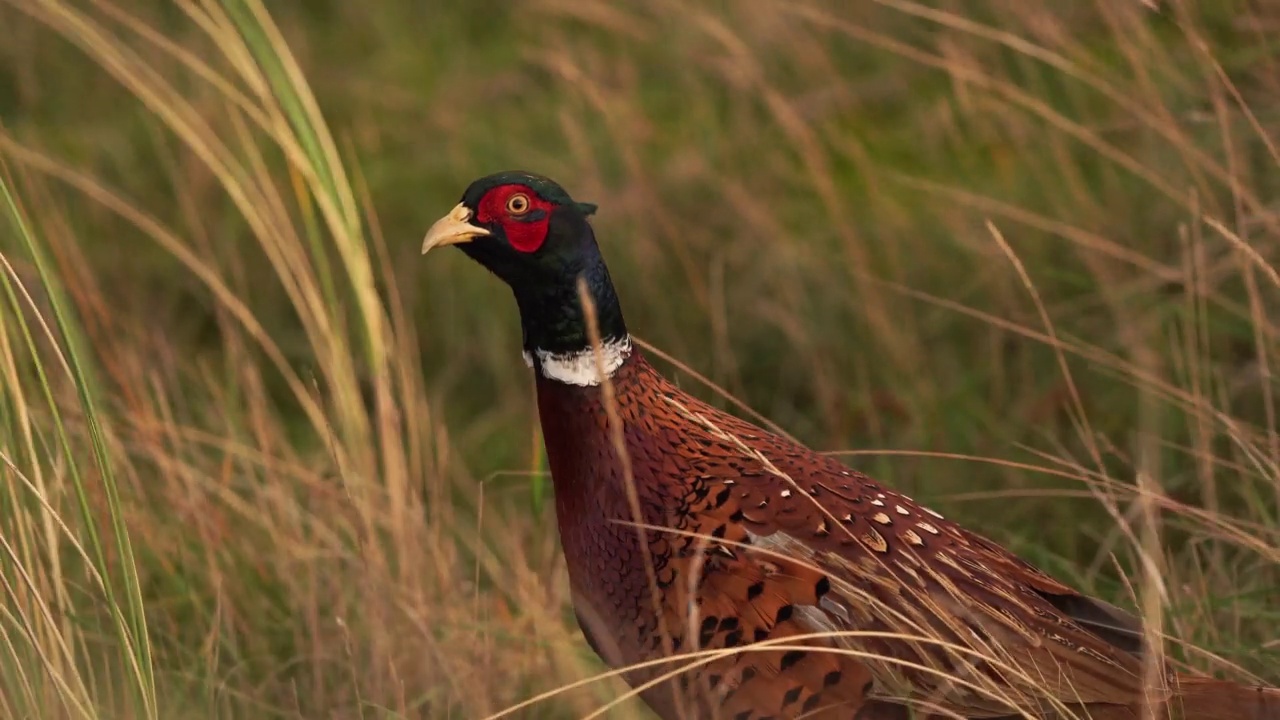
<point>258,461</point>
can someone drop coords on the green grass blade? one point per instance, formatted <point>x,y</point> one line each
<point>125,605</point>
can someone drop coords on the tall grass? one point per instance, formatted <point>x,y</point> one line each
<point>260,461</point>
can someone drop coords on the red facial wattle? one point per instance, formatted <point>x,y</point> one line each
<point>525,231</point>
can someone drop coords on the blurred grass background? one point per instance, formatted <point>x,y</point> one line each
<point>1015,257</point>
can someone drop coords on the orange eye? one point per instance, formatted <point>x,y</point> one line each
<point>518,204</point>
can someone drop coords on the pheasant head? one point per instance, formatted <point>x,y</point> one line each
<point>536,238</point>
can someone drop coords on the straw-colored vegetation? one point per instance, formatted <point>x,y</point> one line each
<point>258,460</point>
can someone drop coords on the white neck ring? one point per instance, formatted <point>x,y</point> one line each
<point>579,367</point>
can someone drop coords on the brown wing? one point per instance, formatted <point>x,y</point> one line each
<point>722,596</point>
<point>958,622</point>
<point>735,613</point>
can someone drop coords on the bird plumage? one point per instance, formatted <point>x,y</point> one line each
<point>790,585</point>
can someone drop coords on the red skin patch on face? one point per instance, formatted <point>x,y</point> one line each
<point>525,232</point>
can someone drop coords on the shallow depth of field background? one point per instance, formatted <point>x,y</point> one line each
<point>258,459</point>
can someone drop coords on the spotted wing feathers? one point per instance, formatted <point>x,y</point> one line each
<point>957,621</point>
<point>796,587</point>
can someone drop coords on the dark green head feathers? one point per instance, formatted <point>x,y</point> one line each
<point>544,187</point>
<point>532,234</point>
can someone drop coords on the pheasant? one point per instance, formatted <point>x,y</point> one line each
<point>737,574</point>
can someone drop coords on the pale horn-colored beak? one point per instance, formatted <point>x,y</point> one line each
<point>452,229</point>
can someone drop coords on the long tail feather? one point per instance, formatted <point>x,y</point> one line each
<point>1209,699</point>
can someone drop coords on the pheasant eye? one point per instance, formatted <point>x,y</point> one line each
<point>518,204</point>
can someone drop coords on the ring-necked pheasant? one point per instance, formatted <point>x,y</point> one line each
<point>810,589</point>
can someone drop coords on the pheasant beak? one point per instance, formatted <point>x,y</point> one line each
<point>452,229</point>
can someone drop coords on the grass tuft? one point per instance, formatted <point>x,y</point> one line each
<point>1018,259</point>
